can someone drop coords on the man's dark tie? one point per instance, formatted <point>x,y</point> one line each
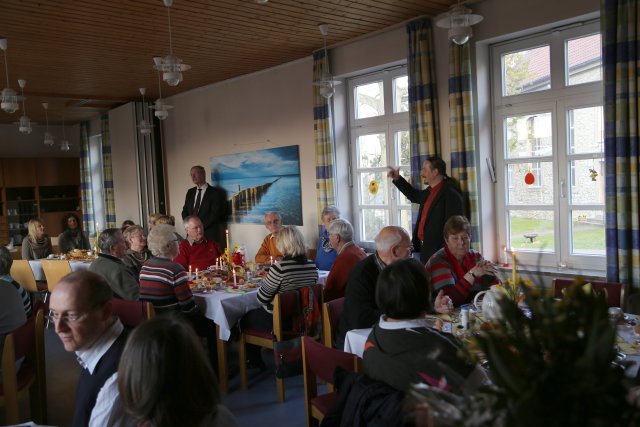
<point>196,208</point>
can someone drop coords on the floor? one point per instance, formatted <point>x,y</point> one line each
<point>250,407</point>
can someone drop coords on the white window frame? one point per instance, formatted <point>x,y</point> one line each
<point>558,100</point>
<point>389,124</point>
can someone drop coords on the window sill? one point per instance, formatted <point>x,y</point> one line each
<point>547,273</point>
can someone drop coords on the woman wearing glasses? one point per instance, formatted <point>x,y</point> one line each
<point>325,253</point>
<point>456,269</point>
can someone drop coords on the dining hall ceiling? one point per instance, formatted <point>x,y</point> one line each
<point>84,57</point>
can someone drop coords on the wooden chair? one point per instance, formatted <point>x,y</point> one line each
<point>331,314</point>
<point>320,361</point>
<point>54,270</point>
<point>285,307</point>
<point>25,342</point>
<point>132,313</point>
<point>616,292</point>
<point>22,273</point>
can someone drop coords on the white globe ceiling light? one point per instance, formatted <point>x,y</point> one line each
<point>326,81</point>
<point>8,97</point>
<point>458,20</point>
<point>24,124</point>
<point>48,137</point>
<point>171,66</point>
<point>160,106</point>
<point>144,126</point>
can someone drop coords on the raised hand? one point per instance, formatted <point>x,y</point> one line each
<point>393,173</point>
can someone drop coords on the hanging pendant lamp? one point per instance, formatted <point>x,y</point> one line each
<point>458,20</point>
<point>8,97</point>
<point>326,81</point>
<point>24,125</point>
<point>170,65</point>
<point>48,137</point>
<point>64,144</point>
<point>144,126</point>
<point>160,106</point>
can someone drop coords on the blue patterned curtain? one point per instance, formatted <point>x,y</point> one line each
<point>463,139</point>
<point>109,197</point>
<point>621,56</point>
<point>85,181</point>
<point>323,140</point>
<point>424,133</point>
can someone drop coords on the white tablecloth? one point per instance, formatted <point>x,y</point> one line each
<point>226,309</point>
<point>322,277</point>
<point>36,267</point>
<point>355,340</point>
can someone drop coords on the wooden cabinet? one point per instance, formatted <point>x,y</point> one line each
<point>37,188</point>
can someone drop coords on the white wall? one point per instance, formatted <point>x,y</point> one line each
<point>14,144</point>
<point>274,108</point>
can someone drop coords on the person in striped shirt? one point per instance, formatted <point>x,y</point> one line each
<point>294,271</point>
<point>165,284</point>
<point>456,269</point>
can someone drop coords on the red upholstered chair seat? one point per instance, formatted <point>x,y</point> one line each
<point>324,402</point>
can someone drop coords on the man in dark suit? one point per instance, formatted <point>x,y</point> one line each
<point>439,201</point>
<point>208,203</point>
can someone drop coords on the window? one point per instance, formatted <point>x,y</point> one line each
<point>97,179</point>
<point>549,123</point>
<point>379,137</point>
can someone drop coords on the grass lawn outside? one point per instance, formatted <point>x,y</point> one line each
<point>586,237</point>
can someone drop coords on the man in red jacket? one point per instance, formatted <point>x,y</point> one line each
<point>196,250</point>
<point>341,238</point>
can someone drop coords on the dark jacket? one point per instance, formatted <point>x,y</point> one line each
<point>448,203</point>
<point>213,212</point>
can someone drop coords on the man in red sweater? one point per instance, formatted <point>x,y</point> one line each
<point>196,251</point>
<point>341,238</point>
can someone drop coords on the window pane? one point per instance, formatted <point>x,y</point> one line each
<point>584,60</point>
<point>405,220</point>
<point>526,71</point>
<point>373,220</point>
<point>401,94</point>
<point>374,188</point>
<point>528,135</point>
<point>586,130</point>
<point>587,232</point>
<point>402,147</point>
<point>369,100</point>
<point>538,193</point>
<point>584,189</point>
<point>372,151</point>
<point>531,230</point>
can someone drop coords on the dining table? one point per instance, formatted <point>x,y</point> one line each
<point>226,308</point>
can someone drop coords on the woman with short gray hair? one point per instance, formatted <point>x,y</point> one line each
<point>138,253</point>
<point>325,254</point>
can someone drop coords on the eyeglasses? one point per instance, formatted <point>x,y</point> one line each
<point>66,318</point>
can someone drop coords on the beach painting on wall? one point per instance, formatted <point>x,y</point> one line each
<point>260,181</point>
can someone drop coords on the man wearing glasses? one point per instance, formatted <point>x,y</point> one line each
<point>121,278</point>
<point>268,251</point>
<point>82,314</point>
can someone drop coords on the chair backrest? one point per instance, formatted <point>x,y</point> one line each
<point>323,361</point>
<point>331,314</point>
<point>22,273</point>
<point>132,313</point>
<point>615,292</point>
<point>54,243</point>
<point>26,342</point>
<point>54,270</point>
<point>287,307</point>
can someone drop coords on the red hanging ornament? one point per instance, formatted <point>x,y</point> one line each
<point>529,178</point>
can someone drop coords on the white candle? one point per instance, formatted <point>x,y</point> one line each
<point>196,274</point>
<point>505,260</point>
<point>271,256</point>
<point>227,234</point>
<point>189,272</point>
<point>234,278</point>
<point>513,259</point>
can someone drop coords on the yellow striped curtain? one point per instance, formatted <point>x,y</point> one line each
<point>323,140</point>
<point>109,196</point>
<point>85,181</point>
<point>463,138</point>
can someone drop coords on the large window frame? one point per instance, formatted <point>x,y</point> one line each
<point>396,209</point>
<point>558,100</point>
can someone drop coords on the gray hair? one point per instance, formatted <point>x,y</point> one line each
<point>6,261</point>
<point>160,240</point>
<point>329,210</point>
<point>342,228</point>
<point>276,213</point>
<point>388,237</point>
<point>290,242</point>
<point>108,238</point>
<point>188,219</point>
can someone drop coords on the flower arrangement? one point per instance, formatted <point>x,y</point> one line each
<point>514,290</point>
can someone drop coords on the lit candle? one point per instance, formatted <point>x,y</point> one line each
<point>196,274</point>
<point>505,260</point>
<point>189,272</point>
<point>227,233</point>
<point>513,260</point>
<point>217,261</point>
<point>271,256</point>
<point>234,278</point>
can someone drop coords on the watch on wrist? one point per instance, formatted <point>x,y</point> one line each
<point>474,276</point>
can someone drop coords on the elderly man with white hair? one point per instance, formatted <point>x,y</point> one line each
<point>340,233</point>
<point>360,307</point>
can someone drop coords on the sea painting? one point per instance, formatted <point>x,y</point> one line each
<point>260,181</point>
